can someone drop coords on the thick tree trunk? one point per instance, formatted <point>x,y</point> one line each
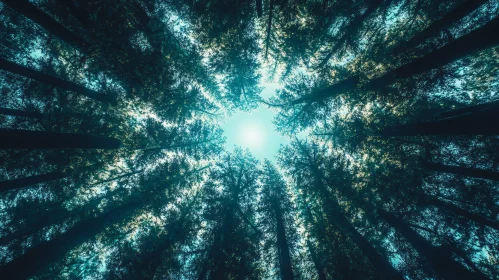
<point>39,257</point>
<point>20,113</point>
<point>464,171</point>
<point>51,80</point>
<point>285,266</point>
<point>460,212</point>
<point>438,258</point>
<point>32,12</point>
<point>477,40</point>
<point>269,27</point>
<point>26,139</point>
<point>259,8</point>
<point>31,180</point>
<point>315,260</point>
<point>477,123</point>
<point>462,10</point>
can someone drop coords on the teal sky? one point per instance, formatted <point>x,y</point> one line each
<point>254,130</point>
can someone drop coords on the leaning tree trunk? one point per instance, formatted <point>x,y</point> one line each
<point>467,110</point>
<point>20,113</point>
<point>449,207</point>
<point>26,139</point>
<point>315,259</point>
<point>39,257</point>
<point>350,30</point>
<point>42,178</point>
<point>477,40</point>
<point>438,258</point>
<point>462,10</point>
<point>464,171</point>
<point>479,123</point>
<point>285,266</point>
<point>382,266</point>
<point>32,12</point>
<point>269,27</point>
<point>51,80</point>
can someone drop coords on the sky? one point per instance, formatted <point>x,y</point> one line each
<point>254,130</point>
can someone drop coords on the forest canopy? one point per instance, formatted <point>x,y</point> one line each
<point>113,156</point>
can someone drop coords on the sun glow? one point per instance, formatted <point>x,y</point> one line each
<point>251,136</point>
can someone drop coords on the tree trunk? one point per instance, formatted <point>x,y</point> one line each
<point>259,8</point>
<point>467,110</point>
<point>51,80</point>
<point>460,212</point>
<point>315,259</point>
<point>116,178</point>
<point>32,12</point>
<point>20,113</point>
<point>382,266</point>
<point>31,180</point>
<point>48,79</point>
<point>462,10</point>
<point>351,30</point>
<point>464,171</point>
<point>438,258</point>
<point>285,266</point>
<point>477,123</point>
<point>26,139</point>
<point>39,257</point>
<point>269,27</point>
<point>477,40</point>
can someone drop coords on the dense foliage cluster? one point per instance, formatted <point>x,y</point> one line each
<point>112,160</point>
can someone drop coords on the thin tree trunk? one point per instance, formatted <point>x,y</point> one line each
<point>26,139</point>
<point>285,266</point>
<point>39,257</point>
<point>51,80</point>
<point>259,8</point>
<point>477,40</point>
<point>20,113</point>
<point>269,27</point>
<point>31,180</point>
<point>477,123</point>
<point>464,171</point>
<point>438,258</point>
<point>32,12</point>
<point>460,11</point>
<point>78,13</point>
<point>460,212</point>
<point>315,259</point>
<point>467,110</point>
<point>351,29</point>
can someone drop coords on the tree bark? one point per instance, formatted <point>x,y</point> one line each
<point>477,40</point>
<point>477,123</point>
<point>51,80</point>
<point>26,139</point>
<point>39,257</point>
<point>464,171</point>
<point>20,113</point>
<point>48,23</point>
<point>460,11</point>
<point>438,258</point>
<point>285,266</point>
